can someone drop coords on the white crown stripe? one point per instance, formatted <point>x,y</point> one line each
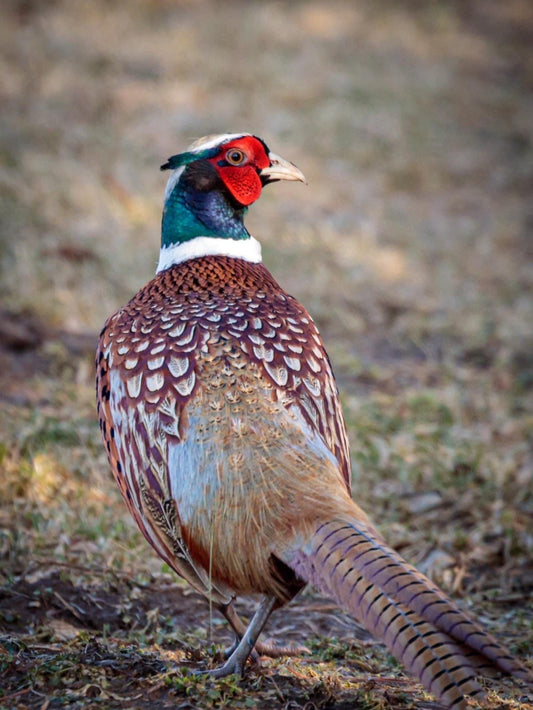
<point>214,140</point>
<point>247,249</point>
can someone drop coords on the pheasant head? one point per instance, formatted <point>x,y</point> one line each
<point>208,193</point>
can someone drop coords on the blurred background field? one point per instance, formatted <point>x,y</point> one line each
<point>412,246</point>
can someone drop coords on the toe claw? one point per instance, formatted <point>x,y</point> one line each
<point>228,668</point>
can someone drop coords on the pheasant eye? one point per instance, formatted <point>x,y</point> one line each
<point>235,156</point>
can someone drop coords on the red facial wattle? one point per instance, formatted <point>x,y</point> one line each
<point>242,180</point>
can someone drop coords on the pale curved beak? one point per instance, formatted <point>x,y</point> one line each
<point>280,169</point>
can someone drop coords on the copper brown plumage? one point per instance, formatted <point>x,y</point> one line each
<point>228,325</point>
<point>225,434</point>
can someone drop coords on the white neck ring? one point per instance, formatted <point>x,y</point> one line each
<point>247,249</point>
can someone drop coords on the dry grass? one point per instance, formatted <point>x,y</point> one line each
<point>411,246</point>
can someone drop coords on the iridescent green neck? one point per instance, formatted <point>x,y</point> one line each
<point>189,213</point>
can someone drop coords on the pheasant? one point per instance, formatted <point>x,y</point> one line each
<point>223,427</point>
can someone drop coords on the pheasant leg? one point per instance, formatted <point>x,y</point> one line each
<point>261,648</point>
<point>237,660</point>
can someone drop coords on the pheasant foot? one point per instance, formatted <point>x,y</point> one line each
<point>266,648</point>
<point>244,649</point>
<point>261,648</point>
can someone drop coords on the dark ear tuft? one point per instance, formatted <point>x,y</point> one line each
<point>176,161</point>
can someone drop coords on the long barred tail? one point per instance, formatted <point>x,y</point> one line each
<point>434,640</point>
